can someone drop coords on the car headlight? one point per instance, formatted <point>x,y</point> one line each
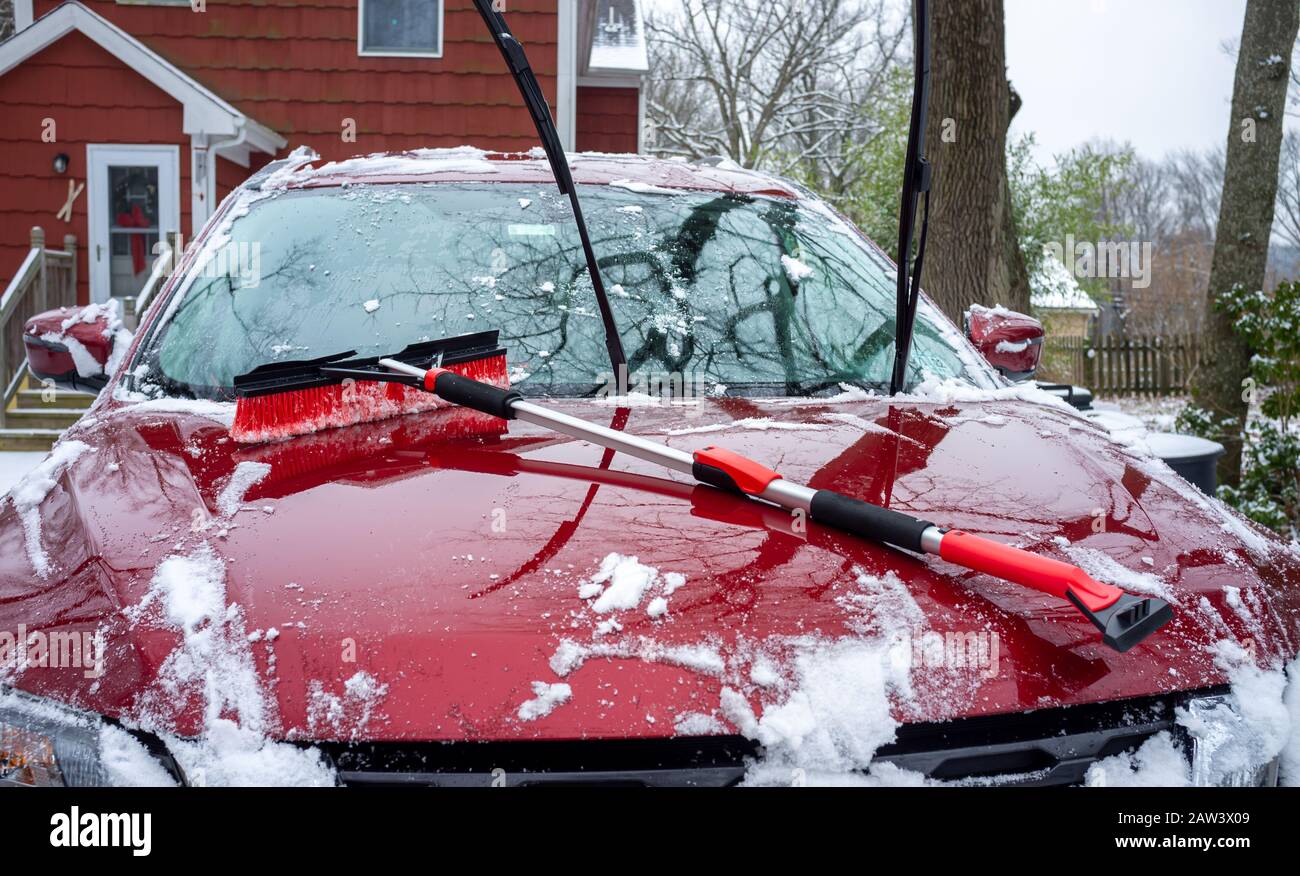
<point>1226,751</point>
<point>44,743</point>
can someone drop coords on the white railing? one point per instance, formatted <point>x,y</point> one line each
<point>47,278</point>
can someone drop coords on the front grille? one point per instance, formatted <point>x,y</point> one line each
<point>711,761</point>
<point>1044,747</point>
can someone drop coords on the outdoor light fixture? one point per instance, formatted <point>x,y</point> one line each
<point>61,162</point>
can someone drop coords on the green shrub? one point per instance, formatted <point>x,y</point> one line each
<point>1270,483</point>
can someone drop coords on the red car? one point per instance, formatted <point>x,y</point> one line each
<point>440,599</point>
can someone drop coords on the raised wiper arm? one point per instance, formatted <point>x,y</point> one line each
<point>916,180</point>
<point>513,53</point>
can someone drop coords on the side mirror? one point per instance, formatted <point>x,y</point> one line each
<point>1011,342</point>
<point>73,345</point>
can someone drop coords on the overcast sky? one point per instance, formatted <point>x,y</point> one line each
<point>1152,72</point>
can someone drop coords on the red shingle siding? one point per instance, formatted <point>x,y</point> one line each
<point>92,98</point>
<point>294,67</point>
<point>606,119</point>
<point>230,175</point>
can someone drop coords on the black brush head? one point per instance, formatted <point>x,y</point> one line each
<point>278,377</point>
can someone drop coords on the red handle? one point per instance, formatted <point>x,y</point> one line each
<point>1022,567</point>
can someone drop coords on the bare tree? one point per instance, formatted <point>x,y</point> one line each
<point>1196,181</point>
<point>1287,220</point>
<point>766,82</point>
<point>1143,204</point>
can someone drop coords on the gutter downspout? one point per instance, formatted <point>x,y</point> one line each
<point>566,88</point>
<point>215,148</point>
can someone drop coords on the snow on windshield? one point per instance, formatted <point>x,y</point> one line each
<point>758,294</point>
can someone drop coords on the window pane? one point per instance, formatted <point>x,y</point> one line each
<point>401,25</point>
<point>133,226</point>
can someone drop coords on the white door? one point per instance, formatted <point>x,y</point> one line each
<point>133,197</point>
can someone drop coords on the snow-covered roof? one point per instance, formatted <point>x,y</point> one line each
<point>470,164</point>
<point>1053,287</point>
<point>618,38</point>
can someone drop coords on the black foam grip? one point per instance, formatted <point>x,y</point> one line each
<point>714,477</point>
<point>476,395</point>
<point>867,520</point>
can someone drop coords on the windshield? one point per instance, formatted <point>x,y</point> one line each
<point>724,294</point>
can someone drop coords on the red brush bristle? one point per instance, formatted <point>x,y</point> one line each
<point>303,411</point>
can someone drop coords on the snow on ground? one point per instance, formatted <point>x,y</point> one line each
<point>13,465</point>
<point>1157,414</point>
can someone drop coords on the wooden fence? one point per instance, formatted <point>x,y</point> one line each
<point>1117,365</point>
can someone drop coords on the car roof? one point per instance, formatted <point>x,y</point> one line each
<point>467,164</point>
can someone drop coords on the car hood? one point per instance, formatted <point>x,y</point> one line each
<point>428,577</point>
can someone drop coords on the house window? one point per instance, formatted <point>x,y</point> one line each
<point>400,27</point>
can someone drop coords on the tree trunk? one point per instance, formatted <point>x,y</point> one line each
<point>1246,209</point>
<point>969,255</point>
<point>1018,295</point>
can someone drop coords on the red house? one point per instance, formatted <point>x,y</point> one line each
<point>160,107</point>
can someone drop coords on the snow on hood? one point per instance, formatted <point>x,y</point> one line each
<point>214,667</point>
<point>820,695</point>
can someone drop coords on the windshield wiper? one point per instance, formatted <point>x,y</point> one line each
<point>916,181</point>
<point>513,53</point>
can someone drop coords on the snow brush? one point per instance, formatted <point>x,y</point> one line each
<point>288,399</point>
<point>285,399</point>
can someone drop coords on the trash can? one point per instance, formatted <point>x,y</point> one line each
<point>1193,458</point>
